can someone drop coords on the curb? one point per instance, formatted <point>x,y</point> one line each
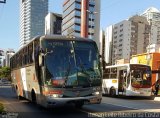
<point>157,98</point>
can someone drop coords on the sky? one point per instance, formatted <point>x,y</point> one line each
<point>112,12</point>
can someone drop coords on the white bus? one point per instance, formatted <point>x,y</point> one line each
<point>127,80</point>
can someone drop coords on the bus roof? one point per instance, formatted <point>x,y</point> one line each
<point>58,37</point>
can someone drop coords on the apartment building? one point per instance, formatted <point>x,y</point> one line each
<point>53,24</point>
<point>32,19</point>
<point>81,18</point>
<point>127,38</point>
<point>153,16</point>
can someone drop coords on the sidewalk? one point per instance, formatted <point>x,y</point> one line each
<point>156,97</point>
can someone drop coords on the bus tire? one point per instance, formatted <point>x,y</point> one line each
<point>79,104</point>
<point>17,94</point>
<point>112,92</point>
<point>33,97</point>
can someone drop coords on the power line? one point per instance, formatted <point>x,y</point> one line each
<point>1,12</point>
<point>4,1</point>
<point>110,5</point>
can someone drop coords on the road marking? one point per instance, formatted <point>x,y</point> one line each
<point>152,110</point>
<point>122,106</point>
<point>120,113</point>
<point>146,110</point>
<point>91,114</point>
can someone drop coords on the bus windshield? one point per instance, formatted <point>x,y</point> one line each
<point>140,76</point>
<point>72,63</point>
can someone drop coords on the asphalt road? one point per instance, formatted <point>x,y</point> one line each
<point>110,107</point>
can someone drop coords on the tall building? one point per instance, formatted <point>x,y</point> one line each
<point>128,38</point>
<point>5,56</point>
<point>108,45</point>
<point>153,16</point>
<point>121,41</point>
<point>8,54</point>
<point>32,19</point>
<point>1,57</point>
<point>101,47</point>
<point>81,18</point>
<point>53,24</point>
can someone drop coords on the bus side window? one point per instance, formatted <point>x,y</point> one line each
<point>106,73</point>
<point>113,72</point>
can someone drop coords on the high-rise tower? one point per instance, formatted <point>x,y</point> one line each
<point>81,18</point>
<point>32,19</point>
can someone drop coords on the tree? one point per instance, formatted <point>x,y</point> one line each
<point>5,72</point>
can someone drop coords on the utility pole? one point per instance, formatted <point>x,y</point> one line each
<point>2,1</point>
<point>91,14</point>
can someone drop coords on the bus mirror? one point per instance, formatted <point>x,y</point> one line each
<point>41,50</point>
<point>124,74</point>
<point>48,51</point>
<point>41,60</point>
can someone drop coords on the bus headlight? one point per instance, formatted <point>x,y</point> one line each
<point>55,96</point>
<point>96,89</point>
<point>95,93</point>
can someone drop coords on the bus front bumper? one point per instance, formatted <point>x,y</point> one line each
<point>51,102</point>
<point>138,93</point>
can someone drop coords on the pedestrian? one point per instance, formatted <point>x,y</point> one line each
<point>156,85</point>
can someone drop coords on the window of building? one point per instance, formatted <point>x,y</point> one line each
<point>121,25</point>
<point>120,45</point>
<point>120,35</point>
<point>121,30</point>
<point>113,72</point>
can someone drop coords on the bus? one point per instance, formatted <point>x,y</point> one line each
<point>127,80</point>
<point>54,70</point>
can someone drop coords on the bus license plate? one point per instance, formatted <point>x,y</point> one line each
<point>93,100</point>
<point>141,93</point>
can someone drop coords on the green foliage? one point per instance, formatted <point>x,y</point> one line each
<point>1,108</point>
<point>5,72</point>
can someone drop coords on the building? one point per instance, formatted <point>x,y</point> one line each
<point>121,41</point>
<point>5,56</point>
<point>153,16</point>
<point>1,57</point>
<point>128,38</point>
<point>139,34</point>
<point>101,42</point>
<point>101,48</point>
<point>81,18</point>
<point>8,54</point>
<point>53,24</point>
<point>108,45</point>
<point>32,19</point>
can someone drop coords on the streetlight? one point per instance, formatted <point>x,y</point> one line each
<point>91,14</point>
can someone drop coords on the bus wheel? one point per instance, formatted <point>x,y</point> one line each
<point>112,92</point>
<point>17,94</point>
<point>79,104</point>
<point>33,95</point>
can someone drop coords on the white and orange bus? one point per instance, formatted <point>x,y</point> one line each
<point>127,80</point>
<point>54,70</point>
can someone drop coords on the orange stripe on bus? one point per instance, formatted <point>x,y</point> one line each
<point>52,92</point>
<point>19,84</point>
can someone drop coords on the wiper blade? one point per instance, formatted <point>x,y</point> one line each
<point>66,77</point>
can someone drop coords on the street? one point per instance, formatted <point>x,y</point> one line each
<point>110,107</point>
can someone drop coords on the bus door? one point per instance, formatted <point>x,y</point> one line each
<point>122,81</point>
